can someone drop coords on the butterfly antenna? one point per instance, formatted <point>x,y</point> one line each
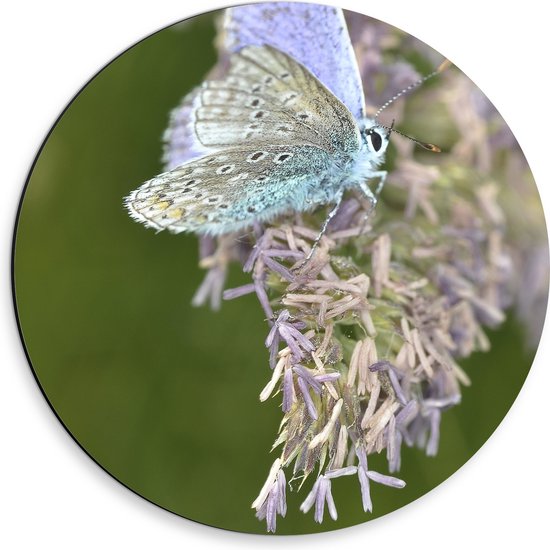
<point>445,65</point>
<point>390,129</point>
<point>429,146</point>
<point>425,145</point>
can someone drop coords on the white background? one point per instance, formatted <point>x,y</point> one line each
<point>52,494</point>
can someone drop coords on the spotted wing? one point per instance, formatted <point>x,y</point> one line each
<point>268,97</point>
<point>314,35</point>
<point>229,190</point>
<point>180,142</point>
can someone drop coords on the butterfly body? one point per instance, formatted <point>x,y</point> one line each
<point>277,141</point>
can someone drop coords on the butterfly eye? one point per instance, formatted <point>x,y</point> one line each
<point>376,140</point>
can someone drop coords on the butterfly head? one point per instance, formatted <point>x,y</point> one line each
<point>377,136</point>
<point>375,139</point>
<point>373,132</point>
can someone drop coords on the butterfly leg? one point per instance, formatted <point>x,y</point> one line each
<point>329,217</point>
<point>373,197</point>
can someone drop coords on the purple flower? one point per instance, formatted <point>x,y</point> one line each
<point>304,389</point>
<point>344,217</point>
<point>284,272</point>
<point>394,374</point>
<point>212,286</point>
<point>444,268</point>
<point>424,430</point>
<point>289,392</point>
<point>237,292</point>
<point>267,248</point>
<point>365,475</point>
<point>396,432</point>
<point>306,379</point>
<point>272,498</point>
<point>289,331</point>
<point>321,494</point>
<point>259,287</point>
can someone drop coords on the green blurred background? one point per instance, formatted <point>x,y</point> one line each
<point>162,395</point>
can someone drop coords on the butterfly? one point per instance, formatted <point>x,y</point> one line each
<point>282,141</point>
<point>269,137</point>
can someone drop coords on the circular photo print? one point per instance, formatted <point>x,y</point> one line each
<point>270,272</point>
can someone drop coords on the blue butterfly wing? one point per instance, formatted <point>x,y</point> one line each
<point>231,189</point>
<point>314,35</point>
